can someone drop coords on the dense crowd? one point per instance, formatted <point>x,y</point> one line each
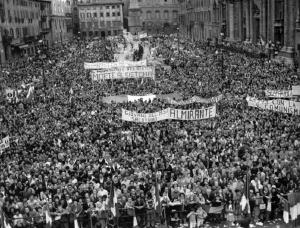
<point>70,151</point>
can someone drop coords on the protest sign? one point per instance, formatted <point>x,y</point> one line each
<point>124,72</point>
<point>278,105</point>
<point>296,90</point>
<point>169,113</point>
<point>107,65</point>
<point>4,143</point>
<point>279,93</point>
<point>196,99</point>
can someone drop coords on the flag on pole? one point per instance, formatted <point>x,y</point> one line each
<point>48,219</point>
<point>4,221</point>
<point>135,224</point>
<point>76,225</point>
<point>294,203</point>
<point>286,214</point>
<point>30,93</point>
<point>156,199</point>
<point>113,200</point>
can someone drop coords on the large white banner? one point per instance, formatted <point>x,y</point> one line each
<point>4,143</point>
<point>107,65</point>
<point>196,99</point>
<point>149,97</point>
<point>279,93</point>
<point>124,72</point>
<point>278,105</point>
<point>296,90</point>
<point>169,113</point>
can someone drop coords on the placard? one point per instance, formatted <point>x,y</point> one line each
<point>108,65</point>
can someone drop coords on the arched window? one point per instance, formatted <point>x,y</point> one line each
<point>148,15</point>
<point>166,14</point>
<point>157,14</point>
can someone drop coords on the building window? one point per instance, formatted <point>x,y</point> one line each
<point>148,16</point>
<point>113,7</point>
<point>175,14</point>
<point>82,25</point>
<point>107,14</point>
<point>101,14</point>
<point>113,14</point>
<point>109,33</point>
<point>157,14</point>
<point>95,14</point>
<point>107,7</point>
<point>118,14</point>
<point>166,14</point>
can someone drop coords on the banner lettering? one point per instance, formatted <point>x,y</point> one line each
<point>279,93</point>
<point>169,113</point>
<point>125,72</point>
<point>196,99</point>
<point>278,105</point>
<point>107,65</point>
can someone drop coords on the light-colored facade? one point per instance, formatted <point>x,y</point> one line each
<point>61,15</point>
<point>100,18</point>
<point>201,19</point>
<point>20,27</point>
<point>268,20</point>
<point>155,16</point>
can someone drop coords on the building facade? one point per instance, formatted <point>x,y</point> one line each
<point>100,18</point>
<point>275,21</point>
<point>61,21</point>
<point>20,27</point>
<point>201,20</point>
<point>155,16</point>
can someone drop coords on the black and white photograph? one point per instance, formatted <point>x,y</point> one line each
<point>149,113</point>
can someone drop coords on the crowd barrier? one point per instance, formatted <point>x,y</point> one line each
<point>170,216</point>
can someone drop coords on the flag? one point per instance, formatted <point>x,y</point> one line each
<point>48,219</point>
<point>286,213</point>
<point>156,198</point>
<point>135,224</point>
<point>294,203</point>
<point>30,93</point>
<point>113,200</point>
<point>4,221</point>
<point>76,225</point>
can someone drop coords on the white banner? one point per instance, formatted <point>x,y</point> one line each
<point>296,90</point>
<point>196,99</point>
<point>279,93</point>
<point>107,65</point>
<point>278,105</point>
<point>149,97</point>
<point>124,72</point>
<point>11,95</point>
<point>4,143</point>
<point>169,113</point>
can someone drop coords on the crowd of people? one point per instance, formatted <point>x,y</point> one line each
<point>70,153</point>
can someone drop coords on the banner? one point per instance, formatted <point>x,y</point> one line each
<point>278,105</point>
<point>142,35</point>
<point>11,95</point>
<point>279,93</point>
<point>107,65</point>
<point>124,72</point>
<point>125,98</point>
<point>4,143</point>
<point>296,90</point>
<point>196,99</point>
<point>149,97</point>
<point>169,113</point>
